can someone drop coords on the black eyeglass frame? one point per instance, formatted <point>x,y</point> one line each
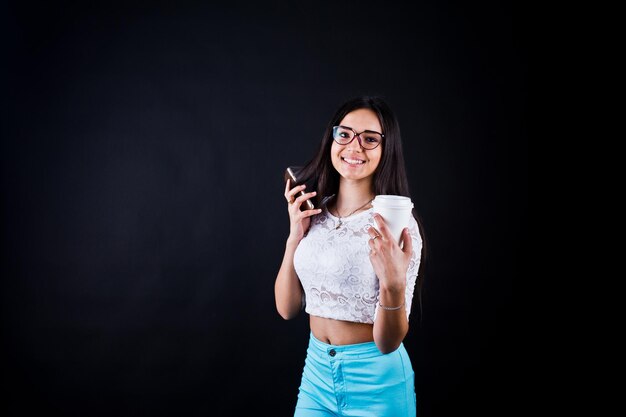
<point>356,135</point>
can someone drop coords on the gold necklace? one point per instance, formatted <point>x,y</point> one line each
<point>339,215</point>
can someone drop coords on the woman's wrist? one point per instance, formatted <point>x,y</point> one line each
<point>291,242</point>
<point>391,297</point>
<point>393,290</point>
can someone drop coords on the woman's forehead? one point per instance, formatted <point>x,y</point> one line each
<point>362,119</point>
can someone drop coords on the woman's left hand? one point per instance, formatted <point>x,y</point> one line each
<point>390,262</point>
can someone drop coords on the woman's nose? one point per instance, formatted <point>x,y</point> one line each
<point>355,144</point>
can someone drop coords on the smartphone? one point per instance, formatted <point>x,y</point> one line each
<point>292,173</point>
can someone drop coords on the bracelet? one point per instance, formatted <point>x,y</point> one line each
<point>390,308</point>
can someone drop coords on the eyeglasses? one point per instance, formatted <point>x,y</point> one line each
<point>368,139</point>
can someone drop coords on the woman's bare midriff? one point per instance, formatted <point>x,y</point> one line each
<point>339,332</point>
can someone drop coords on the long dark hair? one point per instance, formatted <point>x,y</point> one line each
<point>389,177</point>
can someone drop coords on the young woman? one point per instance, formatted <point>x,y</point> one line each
<point>343,267</point>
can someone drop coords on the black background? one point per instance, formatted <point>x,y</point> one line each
<point>144,223</point>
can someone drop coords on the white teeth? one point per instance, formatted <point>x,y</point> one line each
<point>353,161</point>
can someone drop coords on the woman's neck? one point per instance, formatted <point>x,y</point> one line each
<point>353,194</point>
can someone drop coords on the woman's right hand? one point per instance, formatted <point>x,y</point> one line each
<point>299,220</point>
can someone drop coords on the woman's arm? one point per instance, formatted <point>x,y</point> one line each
<point>390,326</point>
<point>391,262</point>
<point>287,288</point>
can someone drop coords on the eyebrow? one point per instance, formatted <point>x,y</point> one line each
<point>366,130</point>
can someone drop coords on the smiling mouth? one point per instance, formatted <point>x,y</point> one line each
<point>353,162</point>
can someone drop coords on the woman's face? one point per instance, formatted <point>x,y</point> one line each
<point>359,120</point>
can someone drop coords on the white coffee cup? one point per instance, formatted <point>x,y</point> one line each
<point>395,211</point>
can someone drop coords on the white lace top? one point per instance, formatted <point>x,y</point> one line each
<point>335,270</point>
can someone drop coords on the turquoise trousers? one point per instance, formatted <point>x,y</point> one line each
<point>356,380</point>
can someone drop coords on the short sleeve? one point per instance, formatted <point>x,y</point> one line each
<point>411,273</point>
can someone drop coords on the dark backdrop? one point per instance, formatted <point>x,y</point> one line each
<point>144,223</point>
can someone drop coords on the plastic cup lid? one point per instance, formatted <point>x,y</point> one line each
<point>393,201</point>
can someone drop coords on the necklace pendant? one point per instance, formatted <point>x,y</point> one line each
<point>338,225</point>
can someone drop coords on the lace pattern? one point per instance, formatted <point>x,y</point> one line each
<point>336,272</point>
